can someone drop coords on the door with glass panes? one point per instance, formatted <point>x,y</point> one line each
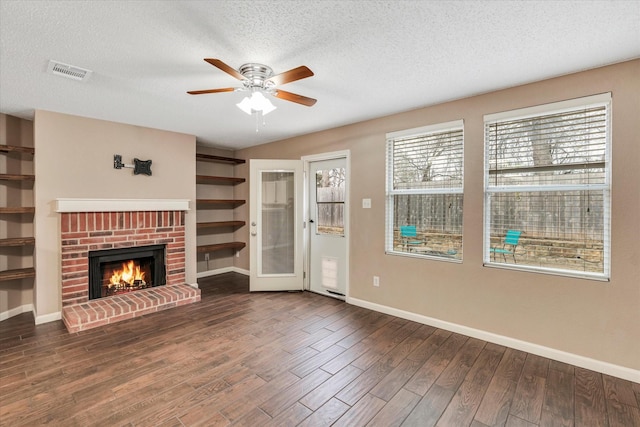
<point>327,196</point>
<point>276,225</point>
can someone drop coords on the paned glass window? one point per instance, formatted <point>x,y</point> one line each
<point>330,194</point>
<point>547,185</point>
<point>424,191</point>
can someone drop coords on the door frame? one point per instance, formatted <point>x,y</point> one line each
<point>346,154</point>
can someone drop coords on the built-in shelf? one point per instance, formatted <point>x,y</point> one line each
<point>17,210</point>
<point>16,149</point>
<point>12,177</point>
<point>218,180</point>
<point>204,228</point>
<point>218,159</point>
<point>18,273</point>
<point>221,246</point>
<point>222,203</point>
<point>18,241</point>
<point>219,224</point>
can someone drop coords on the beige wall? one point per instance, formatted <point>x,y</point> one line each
<point>16,294</point>
<point>74,159</point>
<point>593,319</point>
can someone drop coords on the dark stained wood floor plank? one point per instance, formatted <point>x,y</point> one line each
<point>293,393</point>
<point>241,407</point>
<point>396,410</point>
<point>312,363</point>
<point>622,407</point>
<point>590,406</point>
<point>360,413</point>
<point>345,358</point>
<point>272,367</point>
<point>327,414</point>
<point>433,367</point>
<point>429,345</point>
<point>468,396</point>
<point>457,369</point>
<point>619,390</point>
<point>292,416</point>
<point>380,343</point>
<point>528,399</point>
<point>395,380</point>
<point>334,338</point>
<point>514,421</point>
<point>279,359</point>
<point>557,406</point>
<point>370,323</point>
<point>338,312</point>
<point>428,411</point>
<point>363,383</point>
<point>402,351</point>
<point>255,417</point>
<point>323,393</point>
<point>636,391</point>
<point>201,410</point>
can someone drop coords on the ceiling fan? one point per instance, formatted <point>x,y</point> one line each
<point>259,79</point>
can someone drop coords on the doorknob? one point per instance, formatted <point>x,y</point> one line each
<point>253,233</point>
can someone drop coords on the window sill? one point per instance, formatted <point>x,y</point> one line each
<point>444,258</point>
<point>548,271</point>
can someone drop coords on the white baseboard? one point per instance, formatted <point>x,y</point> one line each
<point>550,353</point>
<point>222,270</point>
<point>46,318</point>
<point>4,315</point>
<point>241,271</point>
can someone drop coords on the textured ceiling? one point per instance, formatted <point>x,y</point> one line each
<point>370,58</point>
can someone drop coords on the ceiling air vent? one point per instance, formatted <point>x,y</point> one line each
<point>69,71</point>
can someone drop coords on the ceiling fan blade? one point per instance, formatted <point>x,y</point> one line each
<point>200,92</point>
<point>224,67</point>
<point>299,73</point>
<point>293,97</point>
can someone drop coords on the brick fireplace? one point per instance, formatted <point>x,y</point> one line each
<point>84,229</point>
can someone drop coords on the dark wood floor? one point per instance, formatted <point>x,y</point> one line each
<point>278,359</point>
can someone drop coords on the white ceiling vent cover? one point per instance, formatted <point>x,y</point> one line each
<point>65,70</point>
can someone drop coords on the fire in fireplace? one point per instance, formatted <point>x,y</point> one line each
<point>122,270</point>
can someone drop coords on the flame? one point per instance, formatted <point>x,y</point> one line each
<point>129,273</point>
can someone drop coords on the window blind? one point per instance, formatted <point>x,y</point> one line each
<point>424,191</point>
<point>428,161</point>
<point>567,148</point>
<point>547,175</point>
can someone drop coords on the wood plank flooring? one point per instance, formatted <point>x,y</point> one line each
<point>286,359</point>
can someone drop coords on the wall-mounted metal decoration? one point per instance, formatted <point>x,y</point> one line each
<point>140,167</point>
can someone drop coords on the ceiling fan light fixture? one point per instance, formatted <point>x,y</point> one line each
<point>257,102</point>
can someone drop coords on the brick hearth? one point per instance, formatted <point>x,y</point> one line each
<point>102,311</point>
<point>82,232</point>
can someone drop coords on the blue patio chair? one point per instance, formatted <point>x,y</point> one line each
<point>511,239</point>
<point>409,235</point>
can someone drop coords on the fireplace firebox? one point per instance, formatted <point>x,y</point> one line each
<point>123,270</point>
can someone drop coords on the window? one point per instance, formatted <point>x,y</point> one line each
<point>424,192</point>
<point>330,195</point>
<point>547,176</point>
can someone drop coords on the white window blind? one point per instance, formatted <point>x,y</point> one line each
<point>424,191</point>
<point>547,177</point>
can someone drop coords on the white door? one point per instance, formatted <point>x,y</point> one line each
<point>275,225</point>
<point>328,213</point>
